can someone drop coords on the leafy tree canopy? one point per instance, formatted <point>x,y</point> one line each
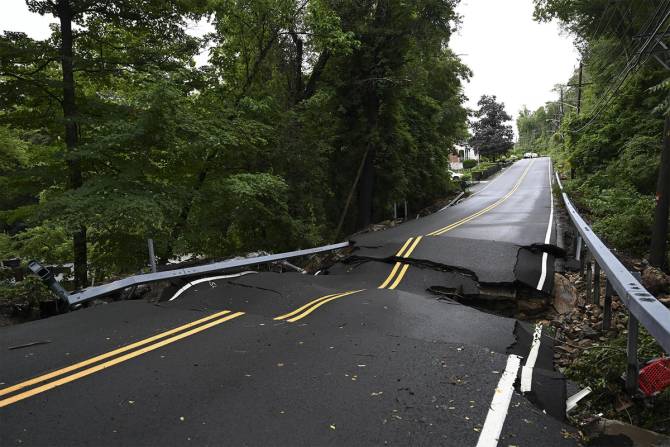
<point>110,134</point>
<point>491,136</point>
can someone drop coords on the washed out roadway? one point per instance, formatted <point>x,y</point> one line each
<point>363,354</point>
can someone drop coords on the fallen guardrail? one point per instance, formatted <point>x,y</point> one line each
<point>90,293</point>
<point>642,306</point>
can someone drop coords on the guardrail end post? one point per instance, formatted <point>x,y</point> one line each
<point>48,278</point>
<point>607,306</point>
<point>632,369</point>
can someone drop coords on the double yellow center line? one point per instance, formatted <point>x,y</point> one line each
<point>136,349</point>
<point>450,227</point>
<point>310,307</point>
<point>400,268</point>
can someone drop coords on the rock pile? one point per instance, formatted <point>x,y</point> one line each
<point>581,327</point>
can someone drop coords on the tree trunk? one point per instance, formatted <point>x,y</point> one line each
<point>366,191</point>
<point>659,234</point>
<point>296,84</point>
<point>350,196</point>
<point>71,135</point>
<point>320,65</point>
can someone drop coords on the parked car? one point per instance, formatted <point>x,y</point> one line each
<point>456,175</point>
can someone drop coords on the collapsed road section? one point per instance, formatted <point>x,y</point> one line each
<point>376,349</point>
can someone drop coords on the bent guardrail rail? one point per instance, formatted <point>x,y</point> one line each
<point>643,307</point>
<point>115,286</point>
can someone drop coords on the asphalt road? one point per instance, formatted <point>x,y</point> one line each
<point>369,352</point>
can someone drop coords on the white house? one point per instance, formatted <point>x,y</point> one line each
<point>469,153</point>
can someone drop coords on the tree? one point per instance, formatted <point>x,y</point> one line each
<point>400,98</point>
<point>257,150</point>
<point>619,130</point>
<point>659,234</point>
<point>110,37</point>
<point>491,136</point>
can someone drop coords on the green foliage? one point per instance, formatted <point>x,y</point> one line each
<point>600,367</point>
<point>491,136</point>
<point>45,243</point>
<point>613,150</point>
<point>257,150</point>
<point>469,164</point>
<point>483,166</point>
<point>620,214</point>
<point>246,212</point>
<point>537,129</point>
<point>28,292</point>
<point>612,147</point>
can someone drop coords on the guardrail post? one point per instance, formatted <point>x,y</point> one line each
<point>607,306</point>
<point>152,255</point>
<point>643,308</point>
<point>596,283</point>
<point>578,248</point>
<point>631,353</point>
<point>589,278</point>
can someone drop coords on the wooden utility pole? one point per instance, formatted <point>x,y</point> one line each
<point>561,112</point>
<point>579,88</point>
<point>659,232</point>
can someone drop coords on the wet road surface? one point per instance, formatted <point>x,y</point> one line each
<point>369,352</point>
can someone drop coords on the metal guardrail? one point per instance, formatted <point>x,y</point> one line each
<point>115,286</point>
<point>642,306</point>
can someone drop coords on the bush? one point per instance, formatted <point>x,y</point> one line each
<point>29,291</point>
<point>619,213</point>
<point>247,212</point>
<point>469,164</point>
<point>600,368</point>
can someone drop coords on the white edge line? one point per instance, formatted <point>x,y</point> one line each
<point>527,370</point>
<point>543,275</point>
<point>490,182</point>
<point>210,278</point>
<point>547,237</point>
<point>495,419</point>
<point>572,401</point>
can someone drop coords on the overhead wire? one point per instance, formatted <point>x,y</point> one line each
<point>632,63</point>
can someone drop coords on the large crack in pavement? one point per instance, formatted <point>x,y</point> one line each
<point>456,275</point>
<point>427,290</point>
<point>489,263</point>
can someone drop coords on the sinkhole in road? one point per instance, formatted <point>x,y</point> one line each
<point>514,300</point>
<point>496,277</point>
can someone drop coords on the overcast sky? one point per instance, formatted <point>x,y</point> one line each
<point>511,56</point>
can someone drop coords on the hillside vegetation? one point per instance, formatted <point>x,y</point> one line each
<point>110,134</point>
<point>610,151</point>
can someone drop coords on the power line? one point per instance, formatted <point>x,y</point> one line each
<point>632,64</point>
<point>649,23</point>
<point>601,19</point>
